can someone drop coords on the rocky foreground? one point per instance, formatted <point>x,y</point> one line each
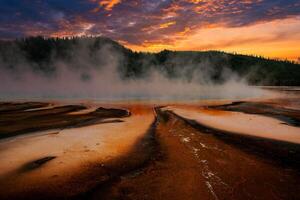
<point>233,150</point>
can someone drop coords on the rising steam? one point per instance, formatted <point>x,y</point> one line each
<point>99,77</point>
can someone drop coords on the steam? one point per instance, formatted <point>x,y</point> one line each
<point>98,77</point>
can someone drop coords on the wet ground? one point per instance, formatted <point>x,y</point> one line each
<point>150,151</point>
<point>197,164</point>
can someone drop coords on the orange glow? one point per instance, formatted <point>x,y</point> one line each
<point>275,39</point>
<point>256,27</point>
<point>186,30</point>
<point>109,4</point>
<point>166,25</point>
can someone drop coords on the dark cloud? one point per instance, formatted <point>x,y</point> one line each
<point>134,21</point>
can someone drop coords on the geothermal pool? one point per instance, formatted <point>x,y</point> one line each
<point>210,149</point>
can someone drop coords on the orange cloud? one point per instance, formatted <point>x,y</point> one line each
<point>109,4</point>
<point>157,27</point>
<point>151,46</point>
<point>276,39</point>
<point>195,1</point>
<point>166,25</point>
<point>185,31</point>
<point>244,26</point>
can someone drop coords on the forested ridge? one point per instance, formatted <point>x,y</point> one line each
<point>41,54</point>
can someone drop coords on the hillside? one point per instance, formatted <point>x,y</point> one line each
<point>43,55</point>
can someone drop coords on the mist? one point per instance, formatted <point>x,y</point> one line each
<point>99,76</point>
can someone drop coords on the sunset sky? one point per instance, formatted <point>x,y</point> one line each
<point>269,28</point>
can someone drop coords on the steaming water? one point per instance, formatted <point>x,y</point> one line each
<point>162,91</point>
<point>106,83</point>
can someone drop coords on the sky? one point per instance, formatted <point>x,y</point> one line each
<point>269,28</point>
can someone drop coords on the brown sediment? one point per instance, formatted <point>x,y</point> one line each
<point>195,163</point>
<point>80,165</point>
<point>283,153</point>
<point>21,121</point>
<point>87,179</point>
<point>172,173</point>
<point>214,112</point>
<point>111,112</point>
<point>10,107</point>
<point>176,159</point>
<point>112,121</point>
<point>241,123</point>
<point>25,114</point>
<point>53,133</point>
<point>288,116</point>
<point>36,163</point>
<point>140,156</point>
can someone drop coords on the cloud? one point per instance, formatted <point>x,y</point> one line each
<point>137,22</point>
<point>167,24</point>
<point>108,4</point>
